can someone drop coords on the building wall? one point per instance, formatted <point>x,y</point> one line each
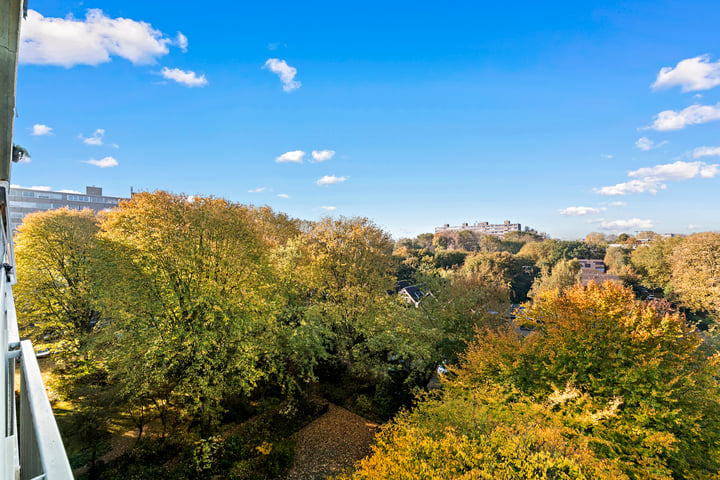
<point>24,201</point>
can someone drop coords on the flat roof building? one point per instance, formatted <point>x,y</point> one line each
<point>24,201</point>
<point>484,228</point>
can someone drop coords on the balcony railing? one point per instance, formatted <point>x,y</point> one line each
<point>32,448</point>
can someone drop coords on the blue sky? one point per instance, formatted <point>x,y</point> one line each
<point>568,118</point>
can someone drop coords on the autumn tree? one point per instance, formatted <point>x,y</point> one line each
<point>189,292</point>
<point>695,272</point>
<point>484,433</point>
<point>54,256</point>
<point>648,372</point>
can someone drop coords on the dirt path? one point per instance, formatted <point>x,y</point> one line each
<point>330,444</point>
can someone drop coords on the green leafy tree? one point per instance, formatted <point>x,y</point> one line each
<point>189,289</point>
<point>616,259</point>
<point>424,240</point>
<point>502,269</point>
<point>564,274</point>
<point>466,240</point>
<point>653,261</point>
<point>54,254</point>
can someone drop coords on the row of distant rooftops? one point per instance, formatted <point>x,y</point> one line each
<point>482,227</point>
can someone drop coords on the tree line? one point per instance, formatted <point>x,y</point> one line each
<point>217,326</point>
<point>195,313</point>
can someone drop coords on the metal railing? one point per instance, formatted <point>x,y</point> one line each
<point>34,451</point>
<point>32,448</point>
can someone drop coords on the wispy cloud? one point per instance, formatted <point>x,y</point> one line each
<point>96,139</point>
<point>695,227</point>
<point>633,186</point>
<point>106,162</point>
<point>606,155</point>
<point>258,190</point>
<point>283,195</point>
<point>322,155</point>
<point>69,41</point>
<point>650,179</point>
<point>186,78</point>
<point>692,115</point>
<point>40,130</point>
<point>618,204</point>
<point>181,41</point>
<point>34,187</point>
<point>673,172</point>
<point>285,72</point>
<point>295,156</point>
<point>645,144</point>
<point>331,180</point>
<point>706,152</point>
<point>46,189</point>
<point>691,74</point>
<point>577,211</point>
<point>626,225</point>
<point>328,208</point>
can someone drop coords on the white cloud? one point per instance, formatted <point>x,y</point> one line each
<point>633,186</point>
<point>331,180</point>
<point>96,139</point>
<point>691,74</point>
<point>576,211</point>
<point>34,187</point>
<point>190,199</point>
<point>645,144</point>
<point>69,41</point>
<point>706,152</point>
<point>606,156</point>
<point>285,72</point>
<point>322,155</point>
<point>181,41</point>
<point>70,191</point>
<point>40,130</point>
<point>617,204</point>
<point>627,225</point>
<point>649,179</point>
<point>676,171</point>
<point>283,195</point>
<point>329,209</point>
<point>103,162</point>
<point>189,78</point>
<point>695,227</point>
<point>692,115</point>
<point>295,156</point>
<point>257,190</point>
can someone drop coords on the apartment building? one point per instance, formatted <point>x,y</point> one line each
<point>483,228</point>
<point>23,201</point>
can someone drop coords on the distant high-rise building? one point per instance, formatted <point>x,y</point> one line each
<point>28,200</point>
<point>484,228</point>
